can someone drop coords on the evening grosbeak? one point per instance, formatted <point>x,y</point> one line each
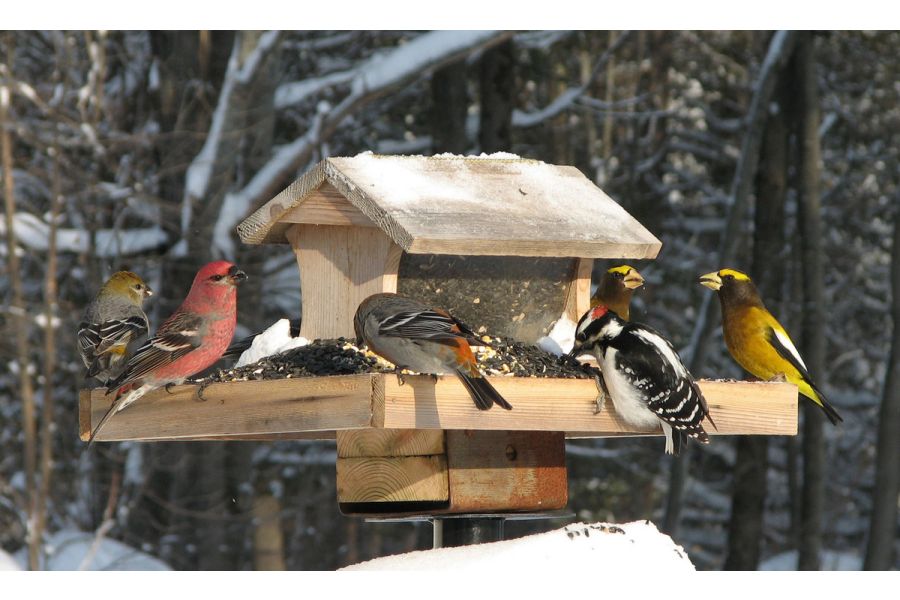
<point>616,288</point>
<point>111,322</point>
<point>756,340</point>
<point>189,341</point>
<point>643,376</point>
<point>427,340</point>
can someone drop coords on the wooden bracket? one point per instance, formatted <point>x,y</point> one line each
<point>406,471</point>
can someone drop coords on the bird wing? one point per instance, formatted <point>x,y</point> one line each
<point>654,368</point>
<point>175,338</point>
<point>779,339</point>
<point>419,324</point>
<point>103,336</point>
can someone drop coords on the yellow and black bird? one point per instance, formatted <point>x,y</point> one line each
<point>616,288</point>
<point>756,340</point>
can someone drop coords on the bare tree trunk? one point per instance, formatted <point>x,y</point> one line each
<point>883,527</point>
<point>268,539</point>
<point>50,310</point>
<point>745,527</point>
<point>19,310</point>
<point>449,109</point>
<point>497,84</point>
<point>780,50</point>
<point>813,309</point>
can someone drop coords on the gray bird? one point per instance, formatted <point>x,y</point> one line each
<point>426,340</point>
<point>112,322</point>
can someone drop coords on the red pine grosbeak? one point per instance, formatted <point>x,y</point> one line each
<point>427,340</point>
<point>189,341</point>
<point>111,322</point>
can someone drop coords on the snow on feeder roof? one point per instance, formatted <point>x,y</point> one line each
<point>499,204</point>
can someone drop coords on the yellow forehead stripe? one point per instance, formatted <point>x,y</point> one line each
<point>623,269</point>
<point>736,274</point>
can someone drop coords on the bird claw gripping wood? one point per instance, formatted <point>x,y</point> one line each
<point>169,387</point>
<point>401,378</point>
<point>603,394</point>
<point>201,388</point>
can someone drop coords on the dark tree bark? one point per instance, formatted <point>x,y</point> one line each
<point>813,345</point>
<point>449,109</point>
<point>497,85</point>
<point>745,527</point>
<point>780,50</point>
<point>883,528</point>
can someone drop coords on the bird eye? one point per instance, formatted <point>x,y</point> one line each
<point>728,277</point>
<point>138,286</point>
<point>216,277</point>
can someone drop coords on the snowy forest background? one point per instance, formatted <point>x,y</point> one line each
<point>773,153</point>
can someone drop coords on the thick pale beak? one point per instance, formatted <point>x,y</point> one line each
<point>711,280</point>
<point>236,275</point>
<point>147,291</point>
<point>633,280</point>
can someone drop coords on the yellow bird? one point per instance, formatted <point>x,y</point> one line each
<point>616,288</point>
<point>756,340</point>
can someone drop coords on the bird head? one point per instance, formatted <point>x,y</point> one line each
<point>219,273</point>
<point>732,285</point>
<point>627,276</point>
<point>595,325</point>
<point>129,285</point>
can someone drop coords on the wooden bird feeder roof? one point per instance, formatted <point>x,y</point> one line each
<point>496,205</point>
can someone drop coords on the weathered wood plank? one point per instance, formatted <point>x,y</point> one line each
<point>539,404</point>
<point>240,408</point>
<point>389,442</point>
<point>326,206</point>
<point>506,471</point>
<point>459,205</point>
<point>322,405</point>
<point>393,479</point>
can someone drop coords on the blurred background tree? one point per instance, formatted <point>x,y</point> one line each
<point>144,149</point>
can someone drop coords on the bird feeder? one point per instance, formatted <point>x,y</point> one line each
<point>507,245</point>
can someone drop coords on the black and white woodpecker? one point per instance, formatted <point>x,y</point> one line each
<point>643,376</point>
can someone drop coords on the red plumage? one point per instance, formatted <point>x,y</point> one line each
<point>189,341</point>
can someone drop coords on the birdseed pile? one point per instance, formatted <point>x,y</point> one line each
<point>343,357</point>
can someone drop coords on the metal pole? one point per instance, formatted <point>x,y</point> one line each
<point>462,531</point>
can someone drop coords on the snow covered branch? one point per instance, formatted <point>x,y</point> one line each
<point>373,79</point>
<point>239,73</point>
<point>33,234</point>
<point>568,98</point>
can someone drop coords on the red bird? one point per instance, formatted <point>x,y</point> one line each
<point>189,341</point>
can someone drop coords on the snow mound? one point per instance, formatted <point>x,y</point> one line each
<point>277,338</point>
<point>561,338</point>
<point>576,548</point>
<point>67,549</point>
<point>8,563</point>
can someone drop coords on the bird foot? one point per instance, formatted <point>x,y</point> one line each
<point>778,378</point>
<point>602,396</point>
<point>434,378</point>
<point>401,378</point>
<point>169,387</point>
<point>201,388</point>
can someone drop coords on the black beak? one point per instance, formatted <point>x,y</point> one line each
<point>236,274</point>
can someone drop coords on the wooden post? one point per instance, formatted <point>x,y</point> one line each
<point>339,267</point>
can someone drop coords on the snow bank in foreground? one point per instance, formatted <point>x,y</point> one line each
<point>8,563</point>
<point>277,338</point>
<point>580,547</point>
<point>68,548</point>
<point>561,338</point>
<point>830,560</point>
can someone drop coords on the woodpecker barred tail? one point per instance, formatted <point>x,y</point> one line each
<point>646,379</point>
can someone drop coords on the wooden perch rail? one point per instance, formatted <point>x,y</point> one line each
<point>315,408</point>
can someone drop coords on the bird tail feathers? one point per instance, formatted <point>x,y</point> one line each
<point>482,392</point>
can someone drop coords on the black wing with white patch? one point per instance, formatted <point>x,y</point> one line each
<point>651,365</point>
